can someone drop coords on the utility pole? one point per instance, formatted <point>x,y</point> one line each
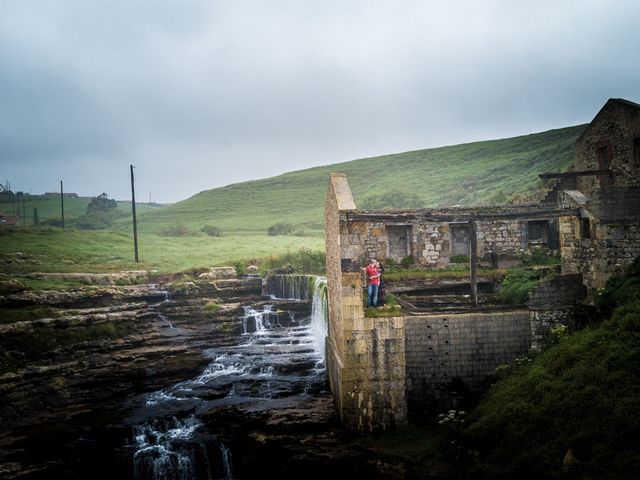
<point>473,261</point>
<point>62,203</point>
<point>24,212</point>
<point>133,209</point>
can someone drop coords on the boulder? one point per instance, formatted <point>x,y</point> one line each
<point>217,273</point>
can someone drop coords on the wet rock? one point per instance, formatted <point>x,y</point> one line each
<point>217,273</point>
<point>11,286</point>
<point>118,278</point>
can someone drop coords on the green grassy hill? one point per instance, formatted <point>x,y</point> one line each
<point>49,207</point>
<point>474,173</point>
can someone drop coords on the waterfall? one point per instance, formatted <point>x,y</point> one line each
<point>278,356</point>
<point>225,453</point>
<point>261,320</point>
<point>319,315</point>
<point>290,287</point>
<point>161,451</point>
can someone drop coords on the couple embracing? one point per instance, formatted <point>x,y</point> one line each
<point>375,285</point>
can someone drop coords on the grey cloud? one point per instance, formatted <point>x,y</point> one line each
<point>244,89</point>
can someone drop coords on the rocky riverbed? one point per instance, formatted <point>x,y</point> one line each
<point>188,379</point>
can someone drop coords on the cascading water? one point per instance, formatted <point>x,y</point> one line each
<point>291,287</point>
<point>319,325</point>
<point>280,357</point>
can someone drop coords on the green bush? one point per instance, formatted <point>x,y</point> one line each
<point>305,261</point>
<point>539,256</point>
<point>177,230</point>
<point>516,286</point>
<point>97,220</point>
<point>459,259</point>
<point>619,289</point>
<point>407,261</point>
<point>280,229</point>
<point>211,230</point>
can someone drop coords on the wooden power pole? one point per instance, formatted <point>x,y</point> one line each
<point>133,210</point>
<point>62,203</point>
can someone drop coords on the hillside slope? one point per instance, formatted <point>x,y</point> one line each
<point>473,173</point>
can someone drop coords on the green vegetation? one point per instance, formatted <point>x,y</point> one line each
<point>171,237</point>
<point>395,199</point>
<point>48,207</point>
<point>459,259</point>
<point>574,410</point>
<point>211,230</point>
<point>212,306</point>
<point>11,315</point>
<point>280,229</point>
<point>57,250</point>
<point>516,286</point>
<point>467,174</point>
<point>305,261</point>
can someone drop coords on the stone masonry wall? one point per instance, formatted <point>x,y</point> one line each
<point>464,347</point>
<point>554,303</point>
<point>602,245</point>
<point>365,356</point>
<point>431,241</point>
<point>614,128</point>
<point>335,336</point>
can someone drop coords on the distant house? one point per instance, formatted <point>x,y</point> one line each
<point>8,219</point>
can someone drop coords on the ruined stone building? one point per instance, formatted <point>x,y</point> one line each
<point>383,371</point>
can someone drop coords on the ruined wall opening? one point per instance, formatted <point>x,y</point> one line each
<point>538,232</point>
<point>459,238</point>
<point>603,156</point>
<point>399,241</point>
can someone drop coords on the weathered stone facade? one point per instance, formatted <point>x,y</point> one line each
<point>445,350</point>
<point>383,370</point>
<point>610,142</point>
<point>434,236</point>
<point>365,356</point>
<point>552,304</point>
<point>605,238</point>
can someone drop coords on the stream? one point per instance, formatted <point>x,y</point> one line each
<point>278,363</point>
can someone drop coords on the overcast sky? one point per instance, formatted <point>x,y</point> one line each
<point>201,94</point>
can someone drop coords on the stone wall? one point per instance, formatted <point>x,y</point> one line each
<point>605,239</point>
<point>613,130</point>
<point>445,351</point>
<point>430,242</point>
<point>554,303</point>
<point>365,356</point>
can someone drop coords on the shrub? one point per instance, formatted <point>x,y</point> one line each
<point>578,395</point>
<point>212,306</point>
<point>304,260</point>
<point>407,261</point>
<point>459,259</point>
<point>97,220</point>
<point>101,203</point>
<point>177,230</point>
<point>516,286</point>
<point>211,230</point>
<point>539,256</point>
<point>280,229</point>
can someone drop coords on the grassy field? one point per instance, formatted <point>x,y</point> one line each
<point>476,173</point>
<point>57,250</point>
